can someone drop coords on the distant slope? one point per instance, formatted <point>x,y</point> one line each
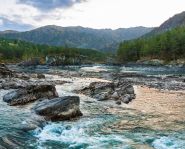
<point>79,37</point>
<point>8,32</point>
<point>173,22</point>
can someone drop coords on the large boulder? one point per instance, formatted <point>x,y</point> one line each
<point>118,91</point>
<point>98,88</point>
<point>30,94</point>
<point>63,108</point>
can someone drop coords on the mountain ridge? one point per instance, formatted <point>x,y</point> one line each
<point>79,37</point>
<point>177,20</point>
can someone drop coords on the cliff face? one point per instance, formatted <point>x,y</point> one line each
<point>177,20</point>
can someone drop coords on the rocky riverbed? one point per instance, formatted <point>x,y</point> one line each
<point>90,107</point>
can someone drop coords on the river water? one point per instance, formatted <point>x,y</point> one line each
<point>98,127</point>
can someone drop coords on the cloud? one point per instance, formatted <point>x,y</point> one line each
<point>6,24</point>
<point>47,5</point>
<point>1,22</point>
<point>93,13</point>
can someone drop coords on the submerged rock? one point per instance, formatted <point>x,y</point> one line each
<point>30,94</point>
<point>33,122</point>
<point>63,108</point>
<point>9,142</point>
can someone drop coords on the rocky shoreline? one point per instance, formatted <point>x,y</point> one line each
<point>26,91</point>
<point>170,82</point>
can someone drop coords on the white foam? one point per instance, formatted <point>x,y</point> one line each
<point>167,143</point>
<point>94,69</point>
<point>79,134</point>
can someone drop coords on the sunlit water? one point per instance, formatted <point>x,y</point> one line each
<point>91,131</point>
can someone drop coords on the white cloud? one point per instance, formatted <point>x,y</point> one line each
<point>96,13</point>
<point>1,22</point>
<point>123,13</point>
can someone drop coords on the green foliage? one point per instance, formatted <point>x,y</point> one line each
<point>166,46</point>
<point>16,50</point>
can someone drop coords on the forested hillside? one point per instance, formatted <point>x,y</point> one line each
<point>167,46</point>
<point>16,50</point>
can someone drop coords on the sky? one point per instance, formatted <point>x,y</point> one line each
<point>24,15</point>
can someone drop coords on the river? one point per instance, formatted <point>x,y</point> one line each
<point>104,125</point>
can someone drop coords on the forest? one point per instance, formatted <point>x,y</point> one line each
<point>166,46</point>
<point>16,51</point>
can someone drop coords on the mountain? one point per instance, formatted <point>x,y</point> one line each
<point>8,32</point>
<point>177,20</point>
<point>79,37</point>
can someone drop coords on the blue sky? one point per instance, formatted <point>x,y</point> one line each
<point>29,14</point>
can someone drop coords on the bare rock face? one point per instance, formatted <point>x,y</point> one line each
<point>118,91</point>
<point>63,108</point>
<point>30,93</point>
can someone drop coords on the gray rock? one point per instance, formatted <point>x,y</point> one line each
<point>33,122</point>
<point>13,84</point>
<point>126,98</point>
<point>118,102</point>
<point>5,72</point>
<point>22,76</point>
<point>124,88</point>
<point>30,94</point>
<point>115,95</point>
<point>129,89</point>
<point>101,96</point>
<point>63,108</point>
<point>40,76</point>
<point>170,82</point>
<point>118,90</point>
<point>99,90</point>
